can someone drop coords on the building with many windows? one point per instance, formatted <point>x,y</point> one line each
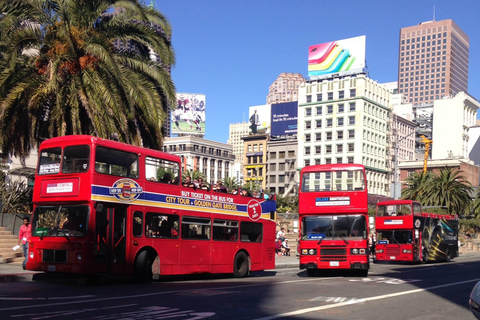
<point>282,176</point>
<point>255,159</point>
<point>285,88</point>
<point>433,61</point>
<point>347,120</point>
<point>213,159</point>
<point>236,133</point>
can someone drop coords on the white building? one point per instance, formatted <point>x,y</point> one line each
<point>346,120</point>
<point>452,119</point>
<point>213,159</point>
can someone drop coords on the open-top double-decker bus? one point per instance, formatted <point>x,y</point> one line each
<point>105,207</point>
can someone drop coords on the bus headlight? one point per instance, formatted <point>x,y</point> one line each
<point>79,256</point>
<point>30,255</point>
<point>407,251</point>
<point>379,250</point>
<point>309,252</point>
<point>354,251</point>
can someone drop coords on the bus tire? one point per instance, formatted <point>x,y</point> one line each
<point>143,267</point>
<point>311,272</point>
<point>424,256</point>
<point>448,257</point>
<point>240,265</point>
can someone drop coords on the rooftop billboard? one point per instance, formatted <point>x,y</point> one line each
<point>284,118</point>
<point>259,119</point>
<point>340,57</point>
<point>189,115</point>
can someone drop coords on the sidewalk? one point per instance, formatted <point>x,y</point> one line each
<point>282,262</point>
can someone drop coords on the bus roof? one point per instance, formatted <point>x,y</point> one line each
<point>91,140</point>
<point>396,202</point>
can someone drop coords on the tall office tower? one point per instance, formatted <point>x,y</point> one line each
<point>433,61</point>
<point>237,132</point>
<point>285,88</point>
<point>132,46</point>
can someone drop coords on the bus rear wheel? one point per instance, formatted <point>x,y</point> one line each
<point>240,265</point>
<point>143,266</point>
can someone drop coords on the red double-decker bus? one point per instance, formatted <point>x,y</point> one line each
<point>406,234</point>
<point>104,207</point>
<point>333,214</point>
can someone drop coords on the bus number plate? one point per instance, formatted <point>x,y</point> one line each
<point>334,263</point>
<point>392,257</point>
<point>51,268</point>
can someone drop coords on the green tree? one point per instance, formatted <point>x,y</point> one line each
<point>193,174</point>
<point>61,74</point>
<point>230,183</point>
<point>449,188</point>
<point>416,184</point>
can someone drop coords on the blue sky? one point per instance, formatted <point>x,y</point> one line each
<point>232,51</point>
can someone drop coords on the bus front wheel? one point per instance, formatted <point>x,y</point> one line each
<point>143,267</point>
<point>240,265</point>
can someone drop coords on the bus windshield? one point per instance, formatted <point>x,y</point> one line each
<point>394,210</point>
<point>60,221</point>
<point>331,227</point>
<point>395,237</point>
<point>338,180</point>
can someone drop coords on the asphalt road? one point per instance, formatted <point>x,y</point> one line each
<point>430,291</point>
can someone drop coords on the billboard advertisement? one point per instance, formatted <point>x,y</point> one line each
<point>342,56</point>
<point>259,119</point>
<point>284,118</point>
<point>189,115</point>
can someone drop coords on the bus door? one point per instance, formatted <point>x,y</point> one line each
<point>195,249</point>
<point>110,244</point>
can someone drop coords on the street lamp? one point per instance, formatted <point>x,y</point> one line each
<point>397,141</point>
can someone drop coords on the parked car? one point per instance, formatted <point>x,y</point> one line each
<point>474,301</point>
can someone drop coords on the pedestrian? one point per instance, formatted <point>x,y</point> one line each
<point>24,236</point>
<point>281,235</point>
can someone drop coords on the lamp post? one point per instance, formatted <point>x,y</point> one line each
<point>397,141</point>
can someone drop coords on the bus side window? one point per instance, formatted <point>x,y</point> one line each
<point>137,224</point>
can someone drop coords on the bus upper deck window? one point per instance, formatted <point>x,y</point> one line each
<point>76,159</point>
<point>49,161</point>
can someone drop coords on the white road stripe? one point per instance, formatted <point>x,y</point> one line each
<point>350,302</point>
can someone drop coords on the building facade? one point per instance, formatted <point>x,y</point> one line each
<point>346,120</point>
<point>255,160</point>
<point>282,176</point>
<point>213,159</point>
<point>433,61</point>
<point>285,88</point>
<point>236,133</point>
<point>452,119</point>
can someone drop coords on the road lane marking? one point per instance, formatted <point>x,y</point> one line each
<point>160,293</point>
<point>355,301</point>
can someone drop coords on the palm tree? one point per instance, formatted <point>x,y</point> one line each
<point>450,189</point>
<point>230,183</point>
<point>61,74</point>
<point>416,184</point>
